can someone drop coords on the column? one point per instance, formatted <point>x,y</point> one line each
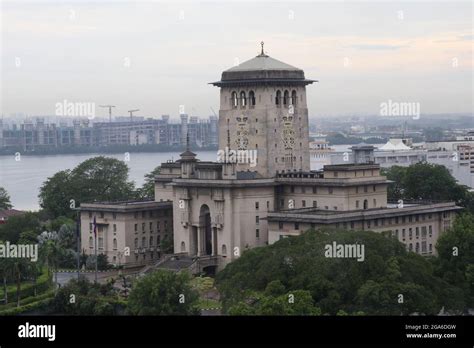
<point>199,241</point>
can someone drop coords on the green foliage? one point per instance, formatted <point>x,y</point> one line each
<point>4,199</point>
<point>335,284</point>
<point>17,224</point>
<point>33,306</point>
<point>163,293</point>
<point>43,283</point>
<point>96,179</point>
<point>424,181</point>
<point>455,262</point>
<point>148,188</point>
<point>90,299</point>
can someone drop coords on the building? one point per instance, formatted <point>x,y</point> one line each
<point>129,233</point>
<point>222,208</point>
<point>31,136</point>
<point>8,213</point>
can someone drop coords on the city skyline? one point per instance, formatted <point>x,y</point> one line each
<point>385,51</point>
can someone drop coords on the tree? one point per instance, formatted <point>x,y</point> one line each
<point>396,174</point>
<point>17,224</point>
<point>6,269</point>
<point>455,263</point>
<point>335,284</point>
<point>163,293</point>
<point>89,299</point>
<point>50,251</point>
<point>96,179</point>
<point>148,188</point>
<point>4,199</point>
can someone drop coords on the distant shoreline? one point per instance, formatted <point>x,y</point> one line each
<point>72,150</point>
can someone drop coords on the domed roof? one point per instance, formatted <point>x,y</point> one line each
<point>262,69</point>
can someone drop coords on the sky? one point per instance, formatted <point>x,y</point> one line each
<point>156,56</point>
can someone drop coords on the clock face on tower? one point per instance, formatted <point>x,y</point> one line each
<point>242,134</point>
<point>287,133</point>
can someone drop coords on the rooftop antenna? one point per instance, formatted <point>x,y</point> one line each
<point>110,110</point>
<point>131,113</point>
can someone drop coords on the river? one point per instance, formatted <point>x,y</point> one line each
<point>23,179</point>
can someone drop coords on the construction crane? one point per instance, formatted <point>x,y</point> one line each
<point>131,113</point>
<point>110,110</point>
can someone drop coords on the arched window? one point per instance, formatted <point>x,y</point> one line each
<point>294,98</point>
<point>286,98</point>
<point>251,99</point>
<point>233,100</point>
<point>278,98</point>
<point>224,249</point>
<point>366,204</point>
<point>183,247</point>
<point>91,242</point>
<point>114,243</point>
<point>243,99</point>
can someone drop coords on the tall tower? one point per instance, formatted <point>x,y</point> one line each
<point>263,108</point>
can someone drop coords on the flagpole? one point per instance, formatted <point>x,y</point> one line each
<point>95,237</point>
<point>78,238</point>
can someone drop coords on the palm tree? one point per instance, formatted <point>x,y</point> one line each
<point>50,252</point>
<point>6,270</point>
<point>20,268</point>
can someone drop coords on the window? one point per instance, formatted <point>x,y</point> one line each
<point>151,241</point>
<point>368,224</point>
<point>375,203</point>
<point>114,243</point>
<point>91,242</point>
<point>303,203</point>
<point>151,226</point>
<point>417,247</point>
<point>158,226</point>
<point>183,246</point>
<point>357,204</point>
<point>417,232</point>
<point>268,204</point>
<point>257,220</point>
<point>315,190</point>
<point>115,228</point>
<point>136,227</point>
<point>357,189</point>
<point>224,249</point>
<point>410,247</point>
<point>294,97</point>
<point>278,98</point>
<point>234,101</point>
<point>102,214</point>
<point>315,204</point>
<point>410,233</point>
<point>376,222</point>
<point>292,189</point>
<point>143,242</point>
<point>430,231</point>
<point>143,214</point>
<point>256,205</point>
<point>403,234</point>
<point>257,233</point>
<point>251,98</point>
<point>330,190</point>
<point>297,226</point>
<point>91,226</point>
<point>286,97</point>
<point>366,204</point>
<point>143,227</point>
<point>373,188</point>
<point>352,224</point>
<point>243,100</point>
<point>101,243</point>
<point>280,225</point>
<point>90,215</point>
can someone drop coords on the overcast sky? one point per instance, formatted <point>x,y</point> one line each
<point>155,56</point>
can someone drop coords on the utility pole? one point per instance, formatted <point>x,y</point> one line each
<point>131,113</point>
<point>110,110</point>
